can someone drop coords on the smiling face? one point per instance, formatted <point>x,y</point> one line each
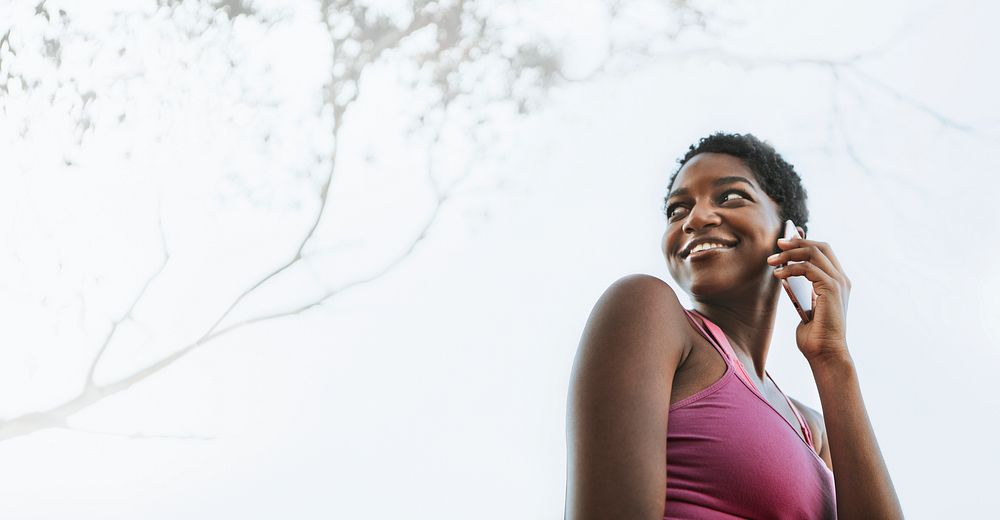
<point>716,196</point>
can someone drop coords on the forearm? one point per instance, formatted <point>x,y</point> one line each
<point>864,488</point>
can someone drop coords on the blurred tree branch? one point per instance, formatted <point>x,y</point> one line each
<point>456,48</point>
<point>466,49</point>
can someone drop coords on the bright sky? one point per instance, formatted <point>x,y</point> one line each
<point>439,390</point>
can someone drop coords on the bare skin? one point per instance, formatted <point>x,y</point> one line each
<point>639,349</point>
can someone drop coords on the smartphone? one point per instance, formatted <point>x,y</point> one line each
<point>798,288</point>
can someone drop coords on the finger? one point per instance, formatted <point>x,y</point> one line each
<point>828,251</point>
<point>800,249</point>
<point>801,242</point>
<point>822,282</point>
<point>805,254</point>
<point>814,274</point>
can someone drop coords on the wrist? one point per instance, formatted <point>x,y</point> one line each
<point>836,361</point>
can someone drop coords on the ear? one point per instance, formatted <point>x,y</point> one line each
<point>801,231</point>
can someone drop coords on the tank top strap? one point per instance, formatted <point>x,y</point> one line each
<point>718,340</point>
<point>726,349</point>
<point>693,317</point>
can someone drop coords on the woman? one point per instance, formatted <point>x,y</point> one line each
<point>654,382</point>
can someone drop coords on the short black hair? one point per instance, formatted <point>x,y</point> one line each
<point>772,172</point>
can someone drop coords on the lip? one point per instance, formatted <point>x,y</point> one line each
<point>686,252</point>
<point>707,253</point>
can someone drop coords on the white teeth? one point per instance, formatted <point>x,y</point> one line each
<point>708,245</point>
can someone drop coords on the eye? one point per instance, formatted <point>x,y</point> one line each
<point>670,209</point>
<point>725,196</point>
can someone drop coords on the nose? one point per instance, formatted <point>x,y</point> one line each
<point>701,216</point>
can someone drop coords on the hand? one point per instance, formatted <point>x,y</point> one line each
<point>826,334</point>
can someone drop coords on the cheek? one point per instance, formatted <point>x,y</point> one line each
<point>768,244</point>
<point>671,243</point>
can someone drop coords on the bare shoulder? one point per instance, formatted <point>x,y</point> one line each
<point>644,293</point>
<point>644,309</point>
<point>638,321</point>
<point>618,400</point>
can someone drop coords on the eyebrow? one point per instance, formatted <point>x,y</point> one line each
<point>717,182</point>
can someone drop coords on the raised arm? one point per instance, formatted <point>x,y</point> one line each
<point>619,397</point>
<point>864,488</point>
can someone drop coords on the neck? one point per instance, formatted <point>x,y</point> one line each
<point>747,320</point>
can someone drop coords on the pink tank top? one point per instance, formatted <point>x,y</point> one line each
<point>730,454</point>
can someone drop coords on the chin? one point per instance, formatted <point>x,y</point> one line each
<point>709,292</point>
<point>707,287</point>
<point>714,284</point>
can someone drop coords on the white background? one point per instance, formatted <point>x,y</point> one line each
<point>438,390</point>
